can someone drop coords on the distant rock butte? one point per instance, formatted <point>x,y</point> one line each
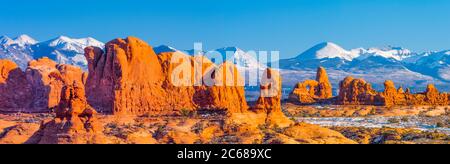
<point>313,91</point>
<point>129,78</point>
<point>359,92</point>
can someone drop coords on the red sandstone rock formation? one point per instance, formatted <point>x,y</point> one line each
<point>75,120</point>
<point>270,98</point>
<point>392,97</point>
<point>228,92</point>
<point>14,89</point>
<point>313,91</point>
<point>356,92</point>
<point>269,101</point>
<point>325,90</point>
<point>131,79</point>
<point>38,88</point>
<point>47,79</point>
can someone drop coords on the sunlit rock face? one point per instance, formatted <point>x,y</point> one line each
<point>313,91</point>
<point>129,78</point>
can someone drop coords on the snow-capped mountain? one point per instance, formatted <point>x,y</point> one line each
<point>327,50</point>
<point>164,48</point>
<point>65,50</point>
<point>22,40</point>
<point>17,49</point>
<point>436,64</point>
<point>242,59</point>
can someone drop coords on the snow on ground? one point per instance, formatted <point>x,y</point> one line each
<point>414,122</point>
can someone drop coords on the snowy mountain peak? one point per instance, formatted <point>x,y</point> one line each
<point>327,50</point>
<point>71,44</point>
<point>164,48</point>
<point>5,40</point>
<point>24,39</point>
<point>397,53</point>
<point>241,58</point>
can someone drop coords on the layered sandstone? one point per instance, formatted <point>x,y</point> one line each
<point>313,91</point>
<point>129,78</point>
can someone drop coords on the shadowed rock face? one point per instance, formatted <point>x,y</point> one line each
<point>313,91</point>
<point>47,79</point>
<point>129,78</point>
<point>38,89</point>
<point>14,88</point>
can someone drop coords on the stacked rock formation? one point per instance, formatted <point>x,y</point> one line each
<point>270,96</point>
<point>38,89</point>
<point>358,92</point>
<point>269,101</point>
<point>392,97</point>
<point>129,78</point>
<point>313,91</point>
<point>75,120</point>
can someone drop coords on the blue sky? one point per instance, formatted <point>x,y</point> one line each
<point>290,26</point>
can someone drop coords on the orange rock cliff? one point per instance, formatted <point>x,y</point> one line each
<point>129,78</point>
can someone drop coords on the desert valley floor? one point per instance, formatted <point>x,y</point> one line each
<point>343,124</point>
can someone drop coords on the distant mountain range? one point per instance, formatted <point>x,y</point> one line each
<point>406,68</point>
<point>61,49</point>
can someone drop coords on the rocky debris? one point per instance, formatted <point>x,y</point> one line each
<point>38,89</point>
<point>356,92</point>
<point>313,91</point>
<point>129,78</point>
<point>75,121</point>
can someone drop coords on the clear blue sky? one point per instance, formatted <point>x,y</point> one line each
<point>290,26</point>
